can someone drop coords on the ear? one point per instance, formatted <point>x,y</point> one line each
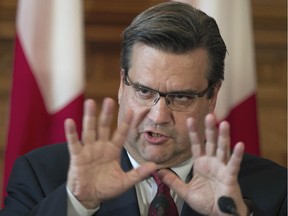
<point>121,86</point>
<point>213,99</point>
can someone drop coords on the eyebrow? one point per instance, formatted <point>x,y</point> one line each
<point>178,92</point>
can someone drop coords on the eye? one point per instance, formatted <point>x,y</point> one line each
<point>182,97</point>
<point>144,92</point>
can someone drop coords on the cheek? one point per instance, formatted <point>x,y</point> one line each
<point>123,107</point>
<point>128,105</point>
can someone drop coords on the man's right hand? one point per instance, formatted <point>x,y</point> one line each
<point>94,173</point>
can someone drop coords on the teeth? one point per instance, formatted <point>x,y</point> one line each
<point>155,135</point>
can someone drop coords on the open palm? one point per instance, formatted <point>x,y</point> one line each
<point>215,172</point>
<point>94,173</point>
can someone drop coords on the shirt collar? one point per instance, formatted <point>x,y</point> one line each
<point>182,170</point>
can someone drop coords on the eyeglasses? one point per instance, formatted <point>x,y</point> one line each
<point>177,101</point>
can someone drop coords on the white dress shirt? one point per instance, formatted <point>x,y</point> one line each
<point>145,190</point>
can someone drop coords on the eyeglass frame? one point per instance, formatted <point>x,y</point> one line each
<point>128,82</point>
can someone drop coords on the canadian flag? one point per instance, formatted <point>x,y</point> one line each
<point>48,76</point>
<point>237,98</point>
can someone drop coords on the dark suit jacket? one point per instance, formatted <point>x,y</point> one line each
<point>37,186</point>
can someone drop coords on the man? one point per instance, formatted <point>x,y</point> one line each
<point>172,65</point>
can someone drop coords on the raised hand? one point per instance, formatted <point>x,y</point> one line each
<point>215,172</point>
<point>94,173</point>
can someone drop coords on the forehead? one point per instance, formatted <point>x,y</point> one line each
<point>167,71</point>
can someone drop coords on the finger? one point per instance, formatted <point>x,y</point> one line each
<point>88,123</point>
<point>120,135</point>
<point>71,135</point>
<point>136,175</point>
<point>211,135</point>
<point>174,182</point>
<point>223,149</point>
<point>196,146</point>
<point>105,119</point>
<point>233,165</point>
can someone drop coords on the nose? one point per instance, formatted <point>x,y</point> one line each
<point>160,113</point>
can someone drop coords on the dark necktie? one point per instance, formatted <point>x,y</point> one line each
<point>163,203</point>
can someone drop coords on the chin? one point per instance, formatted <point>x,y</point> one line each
<point>156,157</point>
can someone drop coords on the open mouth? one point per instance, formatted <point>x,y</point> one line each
<point>156,135</point>
<point>155,138</point>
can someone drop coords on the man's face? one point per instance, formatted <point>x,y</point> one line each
<point>158,133</point>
